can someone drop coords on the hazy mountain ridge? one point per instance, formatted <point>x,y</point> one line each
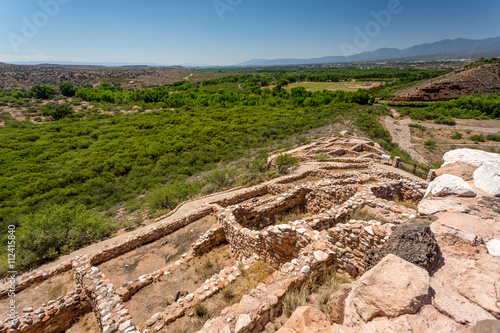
<point>448,48</point>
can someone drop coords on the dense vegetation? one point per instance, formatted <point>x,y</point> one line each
<point>469,107</point>
<point>49,171</point>
<point>61,180</point>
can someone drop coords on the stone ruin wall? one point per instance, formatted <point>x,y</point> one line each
<point>111,313</point>
<point>300,249</point>
<point>113,250</point>
<point>60,313</point>
<point>56,316</point>
<point>350,241</point>
<point>255,310</point>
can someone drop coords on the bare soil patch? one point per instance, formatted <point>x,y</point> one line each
<point>213,306</point>
<point>156,255</point>
<point>40,293</point>
<point>488,123</point>
<point>157,296</point>
<point>445,142</point>
<point>85,323</point>
<point>305,180</point>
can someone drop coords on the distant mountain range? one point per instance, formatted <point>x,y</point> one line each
<point>446,49</point>
<point>102,64</point>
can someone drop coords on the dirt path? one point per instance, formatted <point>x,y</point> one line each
<point>187,77</point>
<point>399,171</point>
<point>400,133</point>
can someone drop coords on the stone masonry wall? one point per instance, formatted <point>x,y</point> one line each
<point>261,216</point>
<point>350,241</point>
<point>55,316</point>
<point>237,198</point>
<point>210,239</point>
<point>112,315</point>
<point>110,251</point>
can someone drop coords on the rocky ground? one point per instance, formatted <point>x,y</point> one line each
<point>452,285</point>
<point>480,80</point>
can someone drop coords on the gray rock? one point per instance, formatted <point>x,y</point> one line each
<point>306,270</point>
<point>413,242</point>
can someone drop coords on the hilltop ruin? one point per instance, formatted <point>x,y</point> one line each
<point>339,214</point>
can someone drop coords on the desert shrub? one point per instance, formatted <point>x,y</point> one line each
<point>169,196</point>
<point>456,136</point>
<point>420,127</point>
<point>430,144</point>
<point>445,120</point>
<point>57,230</point>
<point>57,111</point>
<point>493,137</point>
<point>322,157</point>
<point>477,138</point>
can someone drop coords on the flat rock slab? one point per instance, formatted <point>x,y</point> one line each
<point>435,205</point>
<point>392,288</point>
<point>487,229</point>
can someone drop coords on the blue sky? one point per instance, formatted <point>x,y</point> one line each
<point>194,31</point>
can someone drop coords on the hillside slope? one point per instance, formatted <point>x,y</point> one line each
<point>480,80</point>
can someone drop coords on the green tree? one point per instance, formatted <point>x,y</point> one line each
<point>43,92</point>
<point>57,111</point>
<point>261,161</point>
<point>284,162</point>
<point>67,89</point>
<point>57,230</point>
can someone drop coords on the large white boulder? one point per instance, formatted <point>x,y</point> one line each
<point>493,247</point>
<point>449,185</point>
<point>471,156</point>
<point>487,178</point>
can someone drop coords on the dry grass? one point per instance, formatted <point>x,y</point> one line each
<point>206,268</point>
<point>314,292</point>
<point>363,215</point>
<point>291,216</point>
<point>407,204</point>
<point>249,280</point>
<point>84,323</point>
<point>231,294</point>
